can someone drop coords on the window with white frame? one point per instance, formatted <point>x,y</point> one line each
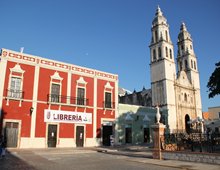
<point>55,88</point>
<point>80,96</point>
<point>55,93</point>
<point>108,103</point>
<point>108,100</point>
<point>81,92</point>
<point>15,85</point>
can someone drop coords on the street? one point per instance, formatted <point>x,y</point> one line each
<point>79,159</point>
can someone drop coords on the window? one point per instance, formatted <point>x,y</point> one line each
<point>166,35</point>
<point>182,47</point>
<point>166,52</point>
<point>15,88</point>
<point>80,96</point>
<point>186,65</point>
<point>159,52</point>
<point>185,97</point>
<point>191,64</point>
<point>171,54</point>
<point>156,36</point>
<point>194,65</point>
<point>55,93</point>
<point>108,100</point>
<point>180,65</point>
<point>15,84</point>
<point>154,55</point>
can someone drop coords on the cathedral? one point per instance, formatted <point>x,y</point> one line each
<point>175,86</point>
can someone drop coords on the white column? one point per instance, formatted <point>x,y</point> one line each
<point>69,86</point>
<point>3,65</point>
<point>95,107</point>
<point>34,101</point>
<point>116,138</point>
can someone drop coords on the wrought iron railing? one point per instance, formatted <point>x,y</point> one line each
<point>15,94</point>
<point>203,142</point>
<point>108,105</point>
<point>61,99</point>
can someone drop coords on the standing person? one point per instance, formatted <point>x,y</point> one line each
<point>1,141</point>
<point>3,147</point>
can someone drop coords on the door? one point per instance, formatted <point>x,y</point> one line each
<point>128,135</point>
<point>11,134</point>
<point>106,133</point>
<point>52,136</point>
<point>146,135</point>
<point>79,136</point>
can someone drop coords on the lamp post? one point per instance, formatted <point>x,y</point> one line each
<point>31,110</point>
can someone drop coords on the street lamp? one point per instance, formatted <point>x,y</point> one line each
<point>31,110</point>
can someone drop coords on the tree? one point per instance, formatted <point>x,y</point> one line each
<point>214,82</point>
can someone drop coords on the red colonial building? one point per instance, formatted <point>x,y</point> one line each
<point>47,103</point>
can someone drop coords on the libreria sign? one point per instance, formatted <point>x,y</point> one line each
<point>67,117</point>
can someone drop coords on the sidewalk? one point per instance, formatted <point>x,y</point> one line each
<point>143,154</point>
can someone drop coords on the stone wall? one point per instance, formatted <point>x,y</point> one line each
<point>192,157</point>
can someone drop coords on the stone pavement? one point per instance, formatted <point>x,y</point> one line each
<point>140,154</point>
<point>143,154</point>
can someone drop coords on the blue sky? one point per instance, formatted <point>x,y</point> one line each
<point>111,35</point>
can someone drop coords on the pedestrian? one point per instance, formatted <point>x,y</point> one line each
<point>1,142</point>
<point>3,147</point>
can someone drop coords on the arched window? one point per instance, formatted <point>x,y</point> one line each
<point>191,64</point>
<point>156,36</point>
<point>186,65</point>
<point>154,55</point>
<point>187,125</point>
<point>180,65</point>
<point>185,97</point>
<point>166,35</point>
<point>166,52</point>
<point>171,54</point>
<point>159,52</point>
<point>195,65</point>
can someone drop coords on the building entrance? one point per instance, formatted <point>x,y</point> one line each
<point>146,135</point>
<point>79,136</point>
<point>128,135</point>
<point>106,133</point>
<point>11,134</point>
<point>52,136</point>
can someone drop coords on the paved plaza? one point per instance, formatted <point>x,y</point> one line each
<point>91,158</point>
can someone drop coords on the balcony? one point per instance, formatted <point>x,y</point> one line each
<point>108,105</point>
<point>67,100</point>
<point>15,94</point>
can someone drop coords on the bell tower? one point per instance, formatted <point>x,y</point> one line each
<point>187,62</point>
<point>162,66</point>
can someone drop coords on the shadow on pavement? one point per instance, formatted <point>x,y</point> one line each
<point>11,161</point>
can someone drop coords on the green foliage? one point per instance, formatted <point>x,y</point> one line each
<point>214,82</point>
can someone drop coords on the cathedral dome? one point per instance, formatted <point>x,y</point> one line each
<point>159,18</point>
<point>184,34</point>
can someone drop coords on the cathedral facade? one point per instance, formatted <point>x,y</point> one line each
<point>175,85</point>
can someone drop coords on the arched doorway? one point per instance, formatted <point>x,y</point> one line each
<point>187,125</point>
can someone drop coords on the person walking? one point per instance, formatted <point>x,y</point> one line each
<point>2,146</point>
<point>1,141</point>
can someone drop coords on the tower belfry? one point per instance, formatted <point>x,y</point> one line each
<point>163,69</point>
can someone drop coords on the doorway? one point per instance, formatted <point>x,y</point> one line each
<point>128,135</point>
<point>187,125</point>
<point>11,134</point>
<point>52,135</point>
<point>146,135</point>
<point>79,136</point>
<point>106,134</point>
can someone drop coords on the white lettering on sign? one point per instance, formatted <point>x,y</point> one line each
<point>67,117</point>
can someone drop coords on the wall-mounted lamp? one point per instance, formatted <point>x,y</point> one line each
<point>31,110</point>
